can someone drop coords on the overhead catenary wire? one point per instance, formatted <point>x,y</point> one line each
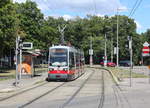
<point>135,7</point>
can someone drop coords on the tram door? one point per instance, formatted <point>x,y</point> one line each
<point>71,62</point>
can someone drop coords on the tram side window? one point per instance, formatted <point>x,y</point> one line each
<point>76,57</point>
<point>77,60</point>
<point>71,59</point>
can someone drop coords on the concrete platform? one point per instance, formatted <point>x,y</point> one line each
<point>26,81</point>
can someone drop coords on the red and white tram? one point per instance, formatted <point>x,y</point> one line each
<point>65,62</point>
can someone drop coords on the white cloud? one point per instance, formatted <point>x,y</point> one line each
<point>78,6</point>
<point>100,15</point>
<point>84,6</point>
<point>67,17</point>
<point>139,26</point>
<point>19,1</point>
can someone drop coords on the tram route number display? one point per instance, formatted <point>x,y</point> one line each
<point>57,50</point>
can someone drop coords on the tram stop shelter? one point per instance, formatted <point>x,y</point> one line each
<point>29,60</point>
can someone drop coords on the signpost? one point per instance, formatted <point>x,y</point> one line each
<point>145,49</point>
<point>149,73</point>
<point>105,52</point>
<point>27,45</point>
<point>91,58</point>
<point>18,59</point>
<point>91,53</point>
<point>131,65</point>
<point>115,50</point>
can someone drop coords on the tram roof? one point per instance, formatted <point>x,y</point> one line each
<point>66,47</point>
<point>62,46</point>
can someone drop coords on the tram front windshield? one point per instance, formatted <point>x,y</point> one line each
<point>58,57</point>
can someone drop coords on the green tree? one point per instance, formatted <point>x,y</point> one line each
<point>146,35</point>
<point>31,21</point>
<point>8,26</point>
<point>27,21</point>
<point>49,34</point>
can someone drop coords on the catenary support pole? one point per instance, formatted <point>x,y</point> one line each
<point>16,80</point>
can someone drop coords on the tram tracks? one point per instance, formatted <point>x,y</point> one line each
<point>77,91</point>
<point>102,94</point>
<point>44,94</point>
<point>120,100</point>
<point>19,94</point>
<point>23,91</point>
<point>50,91</point>
<point>70,99</point>
<point>102,98</point>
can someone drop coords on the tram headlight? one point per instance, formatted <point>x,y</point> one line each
<point>65,69</point>
<point>51,69</point>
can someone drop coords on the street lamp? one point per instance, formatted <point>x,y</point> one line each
<point>117,53</point>
<point>18,60</point>
<point>130,49</point>
<point>105,52</point>
<point>117,40</point>
<point>105,31</point>
<point>91,52</point>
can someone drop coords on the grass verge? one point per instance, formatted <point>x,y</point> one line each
<point>122,73</point>
<point>6,74</point>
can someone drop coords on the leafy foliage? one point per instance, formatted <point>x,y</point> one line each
<point>27,21</point>
<point>8,26</point>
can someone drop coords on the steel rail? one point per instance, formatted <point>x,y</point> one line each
<point>102,98</point>
<point>21,92</point>
<point>117,92</point>
<point>77,91</point>
<point>33,100</point>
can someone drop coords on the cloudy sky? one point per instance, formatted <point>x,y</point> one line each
<point>71,8</point>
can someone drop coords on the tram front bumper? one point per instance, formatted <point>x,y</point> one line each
<point>57,76</point>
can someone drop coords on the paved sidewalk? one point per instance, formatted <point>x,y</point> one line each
<point>137,95</point>
<point>7,85</point>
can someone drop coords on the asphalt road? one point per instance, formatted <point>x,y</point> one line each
<point>94,89</point>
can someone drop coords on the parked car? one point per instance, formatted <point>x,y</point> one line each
<point>125,63</point>
<point>109,63</point>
